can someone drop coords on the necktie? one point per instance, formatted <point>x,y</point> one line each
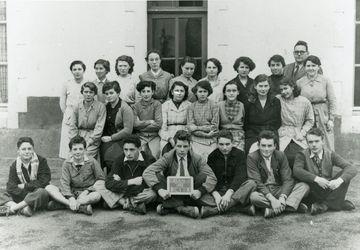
<point>182,170</point>
<point>317,162</point>
<point>78,166</point>
<point>296,70</point>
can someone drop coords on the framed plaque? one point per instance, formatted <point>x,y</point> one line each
<point>180,185</point>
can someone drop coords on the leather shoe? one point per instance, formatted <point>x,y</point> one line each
<point>207,211</point>
<point>318,208</point>
<point>54,205</point>
<point>189,211</point>
<point>85,209</point>
<point>139,208</point>
<point>26,211</point>
<point>302,208</point>
<point>348,205</point>
<point>161,210</point>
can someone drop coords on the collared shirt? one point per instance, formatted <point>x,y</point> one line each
<point>128,91</point>
<point>99,84</point>
<point>140,158</point>
<point>320,154</point>
<point>185,164</point>
<point>271,178</point>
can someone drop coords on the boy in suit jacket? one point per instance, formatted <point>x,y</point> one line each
<point>315,166</point>
<point>276,189</point>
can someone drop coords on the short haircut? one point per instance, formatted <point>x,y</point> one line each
<point>216,62</point>
<point>202,84</point>
<point>187,59</point>
<point>277,58</point>
<point>245,60</point>
<point>260,78</point>
<point>182,135</point>
<point>316,131</point>
<point>152,51</point>
<point>77,140</point>
<point>73,63</point>
<point>230,83</point>
<point>24,139</point>
<point>313,59</point>
<point>291,83</point>
<point>267,134</point>
<point>127,59</point>
<point>111,85</point>
<point>143,84</point>
<point>224,133</point>
<point>301,43</point>
<point>181,84</point>
<point>132,139</point>
<point>104,63</point>
<point>89,85</point>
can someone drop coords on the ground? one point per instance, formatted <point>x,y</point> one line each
<point>122,230</point>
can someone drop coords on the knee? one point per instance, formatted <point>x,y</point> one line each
<point>96,196</point>
<point>99,184</point>
<point>51,188</point>
<point>255,196</point>
<point>251,184</point>
<point>303,186</point>
<point>41,192</point>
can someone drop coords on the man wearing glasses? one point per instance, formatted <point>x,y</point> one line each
<point>296,70</point>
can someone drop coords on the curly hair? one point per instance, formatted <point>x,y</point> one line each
<point>127,59</point>
<point>245,60</point>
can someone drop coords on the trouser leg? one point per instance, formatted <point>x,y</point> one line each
<point>86,197</point>
<point>299,191</point>
<point>111,198</point>
<point>242,195</point>
<point>38,199</point>
<point>55,194</point>
<point>335,198</point>
<point>259,200</point>
<point>290,151</point>
<point>154,146</point>
<point>146,196</point>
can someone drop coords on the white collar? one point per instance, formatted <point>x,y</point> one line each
<point>312,154</point>
<point>178,157</point>
<point>157,73</point>
<point>140,158</point>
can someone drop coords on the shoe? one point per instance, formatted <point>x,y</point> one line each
<point>269,213</point>
<point>348,205</point>
<point>302,208</point>
<point>207,211</point>
<point>251,210</point>
<point>5,211</point>
<point>54,205</point>
<point>26,211</point>
<point>161,210</point>
<point>85,209</point>
<point>318,208</point>
<point>139,208</point>
<point>189,211</point>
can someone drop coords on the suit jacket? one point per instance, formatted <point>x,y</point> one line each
<point>258,118</point>
<point>167,165</point>
<point>42,180</point>
<point>234,174</point>
<point>125,172</point>
<point>244,91</point>
<point>289,72</point>
<point>257,171</point>
<point>306,170</point>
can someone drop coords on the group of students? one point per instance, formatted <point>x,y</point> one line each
<point>155,107</point>
<point>226,181</point>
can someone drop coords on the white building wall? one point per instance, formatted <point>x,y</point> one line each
<point>262,28</point>
<point>45,36</point>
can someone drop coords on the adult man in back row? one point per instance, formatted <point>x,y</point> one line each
<point>315,166</point>
<point>276,189</point>
<point>181,161</point>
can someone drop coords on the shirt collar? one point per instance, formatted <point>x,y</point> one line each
<point>178,158</point>
<point>312,154</point>
<point>103,81</point>
<point>157,73</point>
<point>140,158</point>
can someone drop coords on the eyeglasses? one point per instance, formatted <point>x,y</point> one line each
<point>300,52</point>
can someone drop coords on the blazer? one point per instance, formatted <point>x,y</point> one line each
<point>234,174</point>
<point>125,172</point>
<point>305,169</point>
<point>168,165</point>
<point>244,91</point>
<point>289,72</point>
<point>257,171</point>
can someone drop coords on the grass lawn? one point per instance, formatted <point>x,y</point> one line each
<point>122,230</point>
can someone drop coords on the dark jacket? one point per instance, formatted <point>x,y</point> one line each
<point>258,118</point>
<point>305,169</point>
<point>126,172</point>
<point>43,179</point>
<point>234,174</point>
<point>257,171</point>
<point>274,81</point>
<point>244,91</point>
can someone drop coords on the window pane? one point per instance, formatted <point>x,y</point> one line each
<point>2,10</point>
<point>164,36</point>
<point>3,54</point>
<point>168,65</point>
<point>357,87</point>
<point>357,10</point>
<point>198,70</point>
<point>162,3</point>
<point>186,3</point>
<point>190,37</point>
<point>3,83</point>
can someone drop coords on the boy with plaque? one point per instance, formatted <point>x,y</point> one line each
<point>181,165</point>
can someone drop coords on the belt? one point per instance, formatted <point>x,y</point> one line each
<point>177,124</point>
<point>318,102</point>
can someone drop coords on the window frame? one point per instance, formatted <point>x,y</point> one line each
<point>5,63</point>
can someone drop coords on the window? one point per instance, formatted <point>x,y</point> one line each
<point>357,56</point>
<point>178,29</point>
<point>3,55</point>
